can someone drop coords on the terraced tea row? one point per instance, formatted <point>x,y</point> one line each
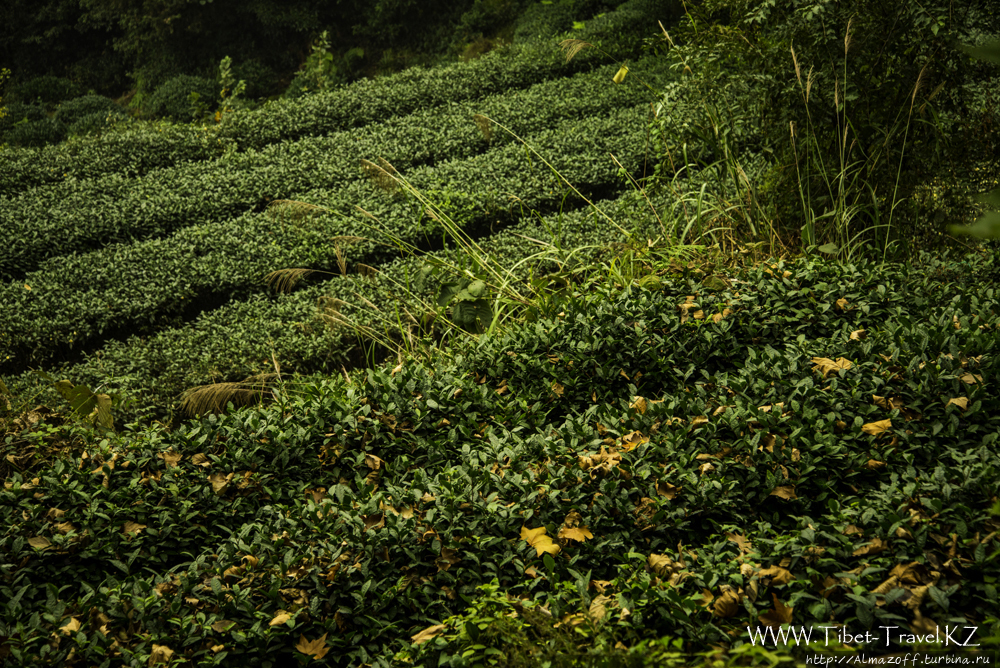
<point>79,300</point>
<point>135,151</point>
<point>76,217</point>
<point>233,341</point>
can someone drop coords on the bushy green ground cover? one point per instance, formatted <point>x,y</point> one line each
<point>655,451</point>
<point>143,148</point>
<point>801,442</point>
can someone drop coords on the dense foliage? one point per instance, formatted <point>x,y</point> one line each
<point>495,363</point>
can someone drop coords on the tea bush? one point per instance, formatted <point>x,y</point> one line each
<point>47,90</point>
<point>74,110</point>
<point>364,102</point>
<point>171,99</point>
<point>81,216</point>
<point>357,513</point>
<point>228,343</point>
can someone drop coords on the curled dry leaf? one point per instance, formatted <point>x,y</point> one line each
<point>71,626</point>
<point>667,490</point>
<point>887,403</point>
<point>727,604</point>
<point>786,492</point>
<point>171,458</point>
<point>537,539</point>
<point>280,618</point>
<point>632,440</point>
<point>876,428</point>
<point>557,388</point>
<point>961,402</point>
<point>599,607</point>
<point>220,482</point>
<point>875,546</point>
<point>781,614</point>
<point>828,367</point>
<point>873,464</point>
<point>742,542</point>
<point>578,534</point>
<point>161,654</point>
<point>429,633</point>
<point>317,649</point>
<point>859,335</point>
<point>639,404</point>
<point>132,528</point>
<point>843,304</point>
<point>778,575</point>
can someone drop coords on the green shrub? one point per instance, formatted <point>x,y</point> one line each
<point>141,286</point>
<point>18,112</point>
<point>83,215</point>
<point>172,99</point>
<point>49,90</point>
<point>72,111</point>
<point>261,79</point>
<point>36,133</point>
<point>362,103</point>
<point>94,124</point>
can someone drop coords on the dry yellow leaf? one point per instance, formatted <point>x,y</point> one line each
<point>639,404</point>
<point>222,625</point>
<point>827,366</point>
<point>373,462</point>
<point>699,421</point>
<point>727,604</point>
<point>667,490</point>
<point>661,564</point>
<point>742,542</point>
<point>781,614</point>
<point>873,464</point>
<point>171,458</point>
<point>537,539</point>
<point>961,402</point>
<point>778,575</point>
<point>317,649</point>
<point>970,378</point>
<point>39,543</point>
<point>876,428</point>
<point>71,626</point>
<point>859,334</point>
<point>786,492</point>
<point>161,654</point>
<point>132,528</point>
<point>887,403</point>
<point>429,633</point>
<point>578,534</point>
<point>557,388</point>
<point>843,304</point>
<point>875,546</point>
<point>632,440</point>
<point>219,482</point>
<point>599,607</point>
<point>280,618</point>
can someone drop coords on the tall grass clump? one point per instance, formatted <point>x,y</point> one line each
<point>824,127</point>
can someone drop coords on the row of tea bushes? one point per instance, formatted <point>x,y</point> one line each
<point>234,341</point>
<point>80,299</point>
<point>78,216</point>
<point>357,512</point>
<point>136,150</point>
